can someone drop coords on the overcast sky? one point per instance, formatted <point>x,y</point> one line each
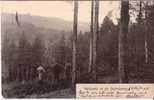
<point>61,9</point>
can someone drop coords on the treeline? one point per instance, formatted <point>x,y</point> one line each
<point>20,59</point>
<point>124,50</point>
<point>23,58</point>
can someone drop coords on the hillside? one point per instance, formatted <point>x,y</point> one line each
<point>46,22</point>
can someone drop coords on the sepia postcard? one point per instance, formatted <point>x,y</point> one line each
<point>93,49</point>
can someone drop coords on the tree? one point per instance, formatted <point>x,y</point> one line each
<point>91,37</point>
<point>124,21</point>
<point>9,58</point>
<point>107,48</point>
<point>95,37</point>
<point>5,57</point>
<point>140,22</point>
<point>61,55</point>
<point>75,31</point>
<point>149,15</point>
<point>23,57</point>
<point>149,35</point>
<point>140,14</point>
<point>107,25</point>
<point>38,50</point>
<point>83,55</point>
<point>49,53</point>
<point>12,53</point>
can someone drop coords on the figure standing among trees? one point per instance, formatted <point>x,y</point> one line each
<point>41,72</point>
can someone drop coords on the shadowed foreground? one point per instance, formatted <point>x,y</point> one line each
<point>35,90</point>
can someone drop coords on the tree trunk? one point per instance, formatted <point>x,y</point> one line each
<point>123,78</point>
<point>95,37</point>
<point>91,37</point>
<point>75,30</point>
<point>146,32</point>
<point>140,15</point>
<point>23,74</point>
<point>146,51</point>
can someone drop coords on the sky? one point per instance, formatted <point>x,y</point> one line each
<point>61,9</point>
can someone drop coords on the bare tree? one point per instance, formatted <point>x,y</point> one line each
<point>91,37</point>
<point>123,78</point>
<point>146,31</point>
<point>140,22</point>
<point>95,37</point>
<point>75,30</point>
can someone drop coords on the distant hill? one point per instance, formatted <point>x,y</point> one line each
<point>46,22</point>
<point>48,28</point>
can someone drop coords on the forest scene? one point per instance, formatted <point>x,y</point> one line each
<point>45,57</point>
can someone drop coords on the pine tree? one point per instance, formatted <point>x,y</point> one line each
<point>38,51</point>
<point>12,60</point>
<point>61,54</point>
<point>23,57</point>
<point>5,57</point>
